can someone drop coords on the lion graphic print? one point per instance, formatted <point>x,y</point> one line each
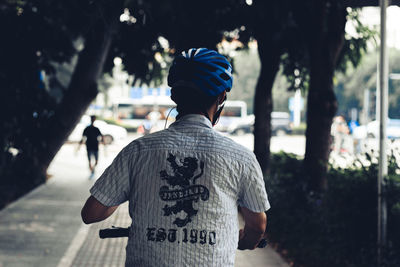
<point>182,190</point>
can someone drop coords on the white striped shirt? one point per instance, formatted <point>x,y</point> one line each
<point>183,185</point>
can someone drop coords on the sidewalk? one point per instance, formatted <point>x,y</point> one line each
<point>44,228</point>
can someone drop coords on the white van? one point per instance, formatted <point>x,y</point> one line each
<point>233,114</point>
<point>135,112</point>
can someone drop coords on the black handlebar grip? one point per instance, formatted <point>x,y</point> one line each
<point>262,244</point>
<point>114,232</point>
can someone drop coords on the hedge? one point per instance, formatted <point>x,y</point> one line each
<point>338,228</point>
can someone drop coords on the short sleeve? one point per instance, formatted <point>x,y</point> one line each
<point>253,194</point>
<point>85,132</point>
<point>98,132</point>
<point>113,186</point>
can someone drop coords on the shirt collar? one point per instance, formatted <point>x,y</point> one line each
<point>195,119</point>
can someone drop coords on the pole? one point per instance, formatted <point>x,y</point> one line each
<point>378,91</point>
<point>365,118</point>
<point>383,115</point>
<point>297,108</point>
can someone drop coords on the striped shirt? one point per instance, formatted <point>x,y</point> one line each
<point>183,185</point>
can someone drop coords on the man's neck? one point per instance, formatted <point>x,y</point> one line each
<point>209,115</point>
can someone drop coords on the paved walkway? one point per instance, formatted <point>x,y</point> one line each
<point>44,228</point>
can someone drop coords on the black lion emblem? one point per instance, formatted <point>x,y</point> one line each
<point>182,188</point>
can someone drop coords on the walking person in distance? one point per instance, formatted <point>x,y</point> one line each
<point>91,137</point>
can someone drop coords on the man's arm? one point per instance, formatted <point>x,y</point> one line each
<point>83,140</point>
<point>79,144</point>
<point>254,228</point>
<point>84,136</point>
<point>99,134</point>
<point>93,211</point>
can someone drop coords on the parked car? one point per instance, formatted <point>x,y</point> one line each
<point>371,130</point>
<point>280,123</point>
<point>243,126</point>
<point>110,132</point>
<point>392,129</point>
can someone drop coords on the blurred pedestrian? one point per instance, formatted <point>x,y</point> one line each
<point>340,133</point>
<point>352,125</point>
<point>92,136</point>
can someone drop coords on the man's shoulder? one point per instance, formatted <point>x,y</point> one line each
<point>234,148</point>
<point>92,127</point>
<point>145,140</point>
<point>96,128</point>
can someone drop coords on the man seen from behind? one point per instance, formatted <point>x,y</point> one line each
<point>184,184</point>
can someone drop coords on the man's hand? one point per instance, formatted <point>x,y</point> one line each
<point>241,233</point>
<point>94,211</point>
<point>77,148</point>
<point>254,228</point>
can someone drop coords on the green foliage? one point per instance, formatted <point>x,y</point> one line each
<point>350,86</point>
<point>40,36</point>
<point>338,228</point>
<point>35,33</point>
<point>296,59</point>
<point>355,46</point>
<point>247,70</point>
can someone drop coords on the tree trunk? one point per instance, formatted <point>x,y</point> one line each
<point>321,108</point>
<point>270,59</point>
<point>81,91</point>
<point>322,105</point>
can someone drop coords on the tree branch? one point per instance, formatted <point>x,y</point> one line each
<point>366,3</point>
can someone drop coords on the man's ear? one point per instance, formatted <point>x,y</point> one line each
<point>221,97</point>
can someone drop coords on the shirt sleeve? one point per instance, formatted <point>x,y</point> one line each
<point>98,132</point>
<point>113,186</point>
<point>85,132</point>
<point>253,194</point>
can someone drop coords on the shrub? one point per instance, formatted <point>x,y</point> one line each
<point>338,228</point>
<point>299,130</point>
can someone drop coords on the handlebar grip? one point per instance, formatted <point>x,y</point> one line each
<point>263,243</point>
<point>114,232</point>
